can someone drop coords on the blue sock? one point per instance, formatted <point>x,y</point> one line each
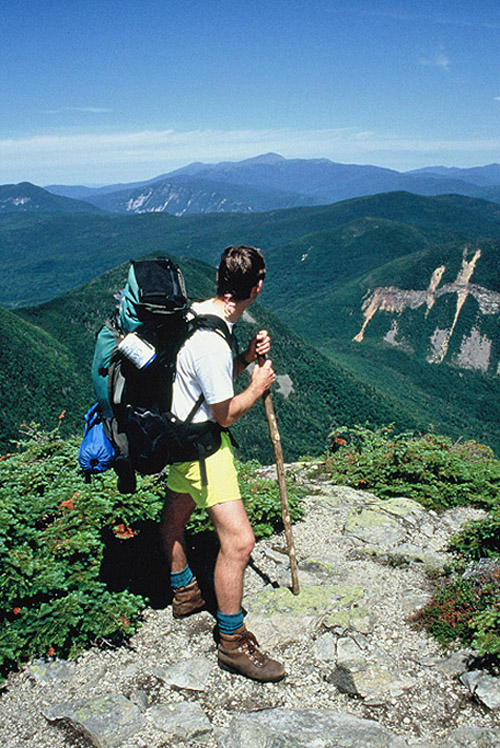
<point>181,578</point>
<point>229,623</point>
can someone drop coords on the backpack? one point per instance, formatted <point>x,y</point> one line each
<point>133,372</point>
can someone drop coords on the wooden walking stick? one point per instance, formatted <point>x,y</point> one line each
<point>280,469</point>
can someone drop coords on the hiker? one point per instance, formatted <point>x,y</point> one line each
<point>205,365</point>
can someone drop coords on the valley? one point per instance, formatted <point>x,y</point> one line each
<point>390,304</point>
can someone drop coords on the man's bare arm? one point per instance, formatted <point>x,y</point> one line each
<point>229,411</point>
<point>260,345</point>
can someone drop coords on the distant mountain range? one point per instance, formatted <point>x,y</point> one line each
<point>186,195</point>
<point>267,182</point>
<point>28,198</point>
<point>270,182</point>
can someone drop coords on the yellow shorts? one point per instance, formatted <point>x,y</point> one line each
<point>184,477</point>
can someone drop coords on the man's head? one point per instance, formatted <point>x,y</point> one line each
<point>241,269</point>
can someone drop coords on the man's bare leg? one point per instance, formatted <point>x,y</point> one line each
<point>176,513</point>
<point>236,540</point>
<point>238,648</point>
<point>177,510</point>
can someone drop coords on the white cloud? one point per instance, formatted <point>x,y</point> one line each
<point>89,109</point>
<point>438,61</point>
<point>112,157</point>
<point>442,20</point>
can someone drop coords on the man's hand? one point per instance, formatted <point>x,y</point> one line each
<point>263,377</point>
<point>260,345</point>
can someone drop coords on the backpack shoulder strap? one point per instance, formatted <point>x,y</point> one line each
<point>215,323</point>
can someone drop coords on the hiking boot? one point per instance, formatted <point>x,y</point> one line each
<point>238,653</point>
<point>187,600</point>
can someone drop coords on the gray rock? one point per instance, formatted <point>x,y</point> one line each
<point>191,674</point>
<point>412,599</point>
<point>355,619</point>
<point>472,737</point>
<point>276,556</point>
<point>374,526</point>
<point>140,699</point>
<point>411,553</point>
<point>289,728</point>
<point>107,720</point>
<point>471,679</point>
<point>324,567</point>
<point>484,571</point>
<point>371,674</point>
<point>277,616</point>
<point>184,720</point>
<point>348,650</point>
<point>374,683</point>
<point>455,518</point>
<point>50,672</point>
<point>453,665</point>
<point>485,687</point>
<point>387,525</point>
<point>275,630</point>
<point>488,691</point>
<point>313,600</point>
<point>325,647</point>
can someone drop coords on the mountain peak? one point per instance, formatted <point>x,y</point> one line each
<point>265,158</point>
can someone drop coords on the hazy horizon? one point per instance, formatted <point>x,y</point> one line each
<point>104,93</point>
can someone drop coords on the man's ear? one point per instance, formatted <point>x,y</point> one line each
<point>256,289</point>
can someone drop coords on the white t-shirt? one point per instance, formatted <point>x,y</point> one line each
<point>204,365</point>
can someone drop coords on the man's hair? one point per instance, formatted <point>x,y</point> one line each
<point>240,269</point>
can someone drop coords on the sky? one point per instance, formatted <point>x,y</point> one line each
<point>106,91</point>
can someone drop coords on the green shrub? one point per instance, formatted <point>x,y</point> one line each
<point>53,527</point>
<point>428,468</point>
<point>479,538</point>
<point>463,611</point>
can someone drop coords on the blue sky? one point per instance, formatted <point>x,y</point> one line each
<point>104,91</point>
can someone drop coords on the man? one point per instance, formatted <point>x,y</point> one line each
<point>205,366</point>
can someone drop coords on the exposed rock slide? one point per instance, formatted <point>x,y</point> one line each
<point>475,349</point>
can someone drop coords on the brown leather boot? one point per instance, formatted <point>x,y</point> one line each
<point>238,653</point>
<point>187,600</point>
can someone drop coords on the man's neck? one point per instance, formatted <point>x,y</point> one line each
<point>231,311</point>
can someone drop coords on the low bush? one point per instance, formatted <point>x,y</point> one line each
<point>461,610</point>
<point>431,469</point>
<point>53,526</point>
<point>479,538</point>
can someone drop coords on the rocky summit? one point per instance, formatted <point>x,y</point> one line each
<point>358,672</point>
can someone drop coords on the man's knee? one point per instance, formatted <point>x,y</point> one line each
<point>240,545</point>
<point>249,544</point>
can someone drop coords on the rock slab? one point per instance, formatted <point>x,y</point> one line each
<point>107,721</point>
<point>288,728</point>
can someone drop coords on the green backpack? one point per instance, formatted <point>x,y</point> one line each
<point>134,368</point>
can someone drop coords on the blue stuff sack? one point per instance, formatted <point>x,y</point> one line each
<point>96,453</point>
